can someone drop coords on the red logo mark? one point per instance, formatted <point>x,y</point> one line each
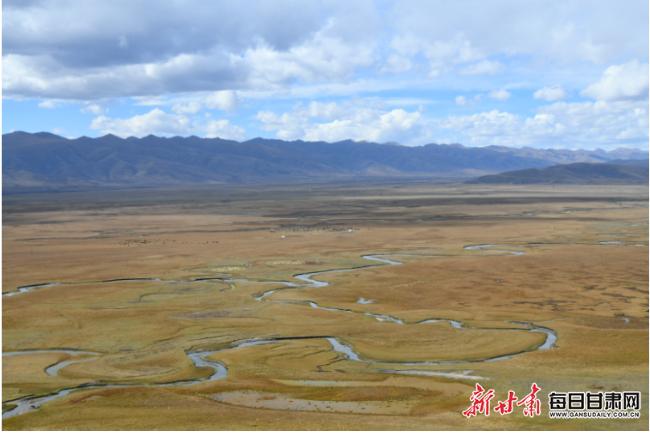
<point>480,402</point>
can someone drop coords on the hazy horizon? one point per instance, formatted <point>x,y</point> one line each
<point>595,149</point>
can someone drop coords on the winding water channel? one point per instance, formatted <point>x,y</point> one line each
<point>202,359</point>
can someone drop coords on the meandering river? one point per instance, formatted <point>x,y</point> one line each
<point>219,371</point>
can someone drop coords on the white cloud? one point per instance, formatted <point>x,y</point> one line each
<point>92,108</point>
<point>85,50</point>
<point>92,34</point>
<point>188,107</point>
<point>211,58</point>
<point>41,76</point>
<point>442,55</point>
<point>480,127</point>
<point>322,57</point>
<point>609,124</point>
<point>155,121</point>
<point>359,120</point>
<point>158,122</point>
<point>49,103</point>
<point>380,127</point>
<point>72,50</point>
<point>324,110</point>
<point>573,32</point>
<point>625,81</point>
<point>500,95</point>
<point>224,100</point>
<point>222,128</point>
<point>554,93</point>
<point>484,67</point>
<point>561,125</point>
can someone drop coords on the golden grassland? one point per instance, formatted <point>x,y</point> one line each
<point>594,294</point>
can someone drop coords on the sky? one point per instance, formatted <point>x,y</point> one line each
<point>569,74</point>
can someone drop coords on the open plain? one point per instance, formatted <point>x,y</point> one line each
<point>207,308</point>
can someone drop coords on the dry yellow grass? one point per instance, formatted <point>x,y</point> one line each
<point>594,295</point>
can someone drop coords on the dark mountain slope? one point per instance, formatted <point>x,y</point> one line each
<point>621,172</point>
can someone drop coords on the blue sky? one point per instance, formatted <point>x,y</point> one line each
<point>562,74</point>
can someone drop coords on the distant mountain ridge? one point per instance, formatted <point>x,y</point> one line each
<point>45,160</point>
<point>615,172</point>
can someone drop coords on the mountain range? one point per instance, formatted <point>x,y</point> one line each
<point>47,161</point>
<point>614,172</point>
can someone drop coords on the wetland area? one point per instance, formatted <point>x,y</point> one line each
<point>325,306</point>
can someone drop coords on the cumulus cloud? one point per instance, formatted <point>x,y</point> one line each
<point>222,128</point>
<point>49,103</point>
<point>610,124</point>
<point>554,93</point>
<point>625,81</point>
<point>92,108</point>
<point>321,57</point>
<point>441,55</point>
<point>334,122</point>
<point>92,34</point>
<point>91,50</point>
<point>155,121</point>
<point>159,122</point>
<point>224,100</point>
<point>500,94</point>
<point>480,128</point>
<point>40,76</point>
<point>561,124</point>
<point>183,59</point>
<point>260,67</point>
<point>602,32</point>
